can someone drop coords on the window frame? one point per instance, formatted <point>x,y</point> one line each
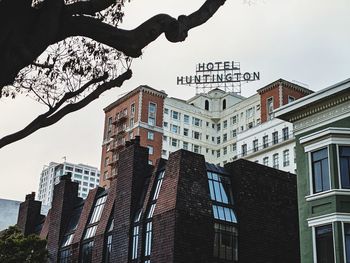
<point>339,165</point>
<point>311,177</point>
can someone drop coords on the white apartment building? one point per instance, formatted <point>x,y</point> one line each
<point>224,126</point>
<point>87,177</point>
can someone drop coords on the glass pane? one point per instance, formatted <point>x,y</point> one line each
<point>317,177</point>
<point>325,175</point>
<point>221,213</point>
<point>344,151</point>
<point>319,155</point>
<point>324,244</point>
<point>345,172</point>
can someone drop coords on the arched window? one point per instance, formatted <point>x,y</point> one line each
<point>224,104</point>
<point>206,104</point>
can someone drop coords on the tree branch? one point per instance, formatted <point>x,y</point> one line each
<point>131,42</point>
<point>46,119</point>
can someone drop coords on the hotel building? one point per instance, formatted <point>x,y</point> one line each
<point>223,126</point>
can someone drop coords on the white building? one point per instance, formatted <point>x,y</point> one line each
<point>87,177</point>
<point>224,126</point>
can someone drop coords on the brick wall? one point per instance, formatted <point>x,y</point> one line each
<point>266,207</point>
<point>64,198</point>
<point>182,221</point>
<point>129,184</point>
<point>29,215</point>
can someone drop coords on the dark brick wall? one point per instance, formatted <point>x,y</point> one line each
<point>83,222</point>
<point>29,215</point>
<point>266,208</point>
<point>129,184</point>
<point>99,240</point>
<point>182,221</point>
<point>64,198</point>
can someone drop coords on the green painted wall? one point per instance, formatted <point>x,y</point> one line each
<point>322,206</point>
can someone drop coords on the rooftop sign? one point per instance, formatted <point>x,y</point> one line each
<point>218,74</point>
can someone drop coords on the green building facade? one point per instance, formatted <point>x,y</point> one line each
<point>322,130</point>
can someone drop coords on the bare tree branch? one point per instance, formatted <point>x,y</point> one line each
<point>131,42</point>
<point>51,117</point>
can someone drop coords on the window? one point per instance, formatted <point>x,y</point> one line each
<point>165,124</point>
<point>258,107</point>
<point>275,161</point>
<point>324,244</point>
<point>225,124</point>
<point>218,140</point>
<point>244,149</point>
<point>108,246</point>
<point>185,145</point>
<point>166,111</point>
<point>234,133</point>
<point>165,138</point>
<point>164,152</point>
<point>225,242</point>
<point>285,158</point>
<point>150,135</point>
<point>225,237</point>
<point>132,109</point>
<point>249,112</point>
<point>320,174</point>
<point>152,108</point>
<point>175,128</point>
<point>269,107</point>
<point>266,161</point>
<point>86,252</point>
<point>265,141</point>
<point>234,120</point>
<point>136,235</point>
<point>186,119</point>
<point>285,134</point>
<point>185,132</point>
<point>196,135</point>
<point>234,147</point>
<point>218,127</point>
<point>196,148</point>
<point>150,149</point>
<point>218,153</point>
<point>224,137</point>
<point>255,146</point>
<point>275,137</point>
<point>344,161</point>
<point>174,142</point>
<point>206,106</point>
<point>290,99</point>
<point>225,150</point>
<point>66,256</point>
<point>197,122</point>
<point>175,115</point>
<point>224,104</point>
<point>78,170</point>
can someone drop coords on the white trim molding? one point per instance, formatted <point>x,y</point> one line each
<point>333,192</point>
<point>327,219</point>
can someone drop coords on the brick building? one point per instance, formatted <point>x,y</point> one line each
<point>223,126</point>
<point>180,210</point>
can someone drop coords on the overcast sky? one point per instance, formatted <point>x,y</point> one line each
<point>298,40</point>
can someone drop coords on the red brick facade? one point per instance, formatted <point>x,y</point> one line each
<point>280,91</point>
<point>118,128</point>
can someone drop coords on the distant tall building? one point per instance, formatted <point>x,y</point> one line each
<point>87,177</point>
<point>223,126</point>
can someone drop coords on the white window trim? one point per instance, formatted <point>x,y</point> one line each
<point>310,171</point>
<point>324,194</point>
<point>338,164</point>
<point>314,241</point>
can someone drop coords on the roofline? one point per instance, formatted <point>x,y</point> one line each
<point>133,92</point>
<point>268,86</point>
<point>285,111</point>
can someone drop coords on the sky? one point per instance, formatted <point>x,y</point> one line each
<point>299,40</point>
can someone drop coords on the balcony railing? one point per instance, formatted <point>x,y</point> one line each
<point>121,116</point>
